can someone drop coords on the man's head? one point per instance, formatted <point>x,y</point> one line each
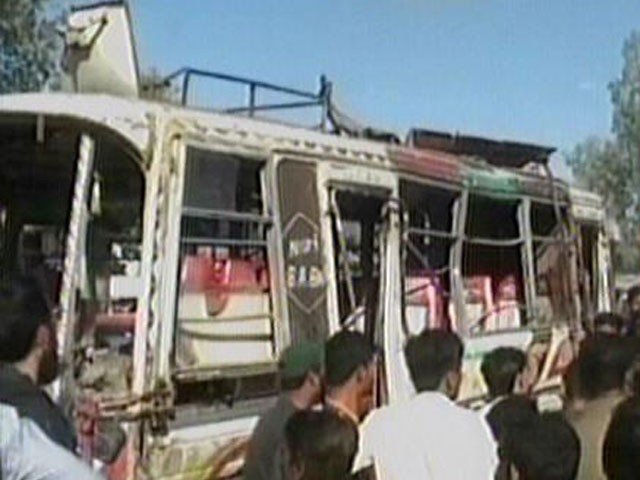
<point>350,367</point>
<point>512,412</point>
<point>320,445</point>
<point>434,359</point>
<point>501,370</point>
<point>608,323</point>
<point>301,368</point>
<point>546,448</point>
<point>602,365</point>
<point>27,332</point>
<point>621,450</point>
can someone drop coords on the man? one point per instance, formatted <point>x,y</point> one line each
<point>429,437</point>
<point>621,452</point>
<point>301,381</point>
<point>545,448</point>
<point>27,453</point>
<point>29,361</point>
<point>350,372</point>
<point>601,368</point>
<point>608,323</point>
<point>321,445</point>
<point>502,369</point>
<point>514,410</point>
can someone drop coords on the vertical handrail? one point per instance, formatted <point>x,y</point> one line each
<point>252,99</point>
<point>73,258</point>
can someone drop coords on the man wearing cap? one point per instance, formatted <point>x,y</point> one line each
<point>301,370</point>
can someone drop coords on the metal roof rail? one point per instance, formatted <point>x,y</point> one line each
<point>299,98</point>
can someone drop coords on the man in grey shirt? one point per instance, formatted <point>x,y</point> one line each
<point>301,369</point>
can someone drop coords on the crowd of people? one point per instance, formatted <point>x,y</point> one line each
<point>326,424</point>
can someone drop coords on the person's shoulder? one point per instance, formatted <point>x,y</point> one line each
<point>271,423</point>
<point>46,456</point>
<point>9,425</point>
<point>383,414</point>
<point>473,420</point>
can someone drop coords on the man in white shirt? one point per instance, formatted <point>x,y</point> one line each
<point>429,437</point>
<point>26,453</point>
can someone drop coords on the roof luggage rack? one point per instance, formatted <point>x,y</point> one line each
<point>331,118</point>
<point>295,99</point>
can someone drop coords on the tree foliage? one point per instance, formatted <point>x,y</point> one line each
<point>29,45</point>
<point>611,167</point>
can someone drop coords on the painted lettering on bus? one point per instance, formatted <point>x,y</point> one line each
<point>305,276</point>
<point>303,246</point>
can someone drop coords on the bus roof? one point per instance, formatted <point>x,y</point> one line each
<point>133,120</point>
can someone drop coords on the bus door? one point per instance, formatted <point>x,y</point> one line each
<point>357,228</point>
<point>362,259</point>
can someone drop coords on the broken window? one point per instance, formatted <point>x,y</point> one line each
<point>224,310</point>
<point>492,265</point>
<point>428,240</point>
<point>357,227</point>
<point>111,287</point>
<point>551,262</point>
<point>589,282</point>
<point>37,169</point>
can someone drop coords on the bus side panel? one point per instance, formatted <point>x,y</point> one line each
<point>305,280</point>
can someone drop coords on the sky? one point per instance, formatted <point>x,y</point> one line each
<point>527,70</point>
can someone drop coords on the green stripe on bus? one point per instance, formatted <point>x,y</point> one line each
<point>495,182</point>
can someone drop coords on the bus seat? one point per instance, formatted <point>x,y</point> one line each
<point>506,312</point>
<point>424,303</point>
<point>478,296</point>
<point>223,312</point>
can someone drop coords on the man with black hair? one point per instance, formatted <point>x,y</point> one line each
<point>543,448</point>
<point>608,323</point>
<point>301,371</point>
<point>321,445</point>
<point>601,367</point>
<point>350,370</point>
<point>515,410</point>
<point>501,369</point>
<point>29,360</point>
<point>429,437</point>
<point>621,450</point>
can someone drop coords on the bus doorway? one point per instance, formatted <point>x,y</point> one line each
<point>358,240</point>
<point>37,168</point>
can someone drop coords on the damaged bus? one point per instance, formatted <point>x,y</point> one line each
<point>186,248</point>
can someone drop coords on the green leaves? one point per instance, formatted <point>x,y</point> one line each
<point>611,167</point>
<point>29,45</point>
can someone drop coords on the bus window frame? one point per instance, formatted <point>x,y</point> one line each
<point>165,370</point>
<point>200,372</point>
<point>75,253</point>
<point>519,241</point>
<point>534,239</point>
<point>333,173</point>
<point>454,236</point>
